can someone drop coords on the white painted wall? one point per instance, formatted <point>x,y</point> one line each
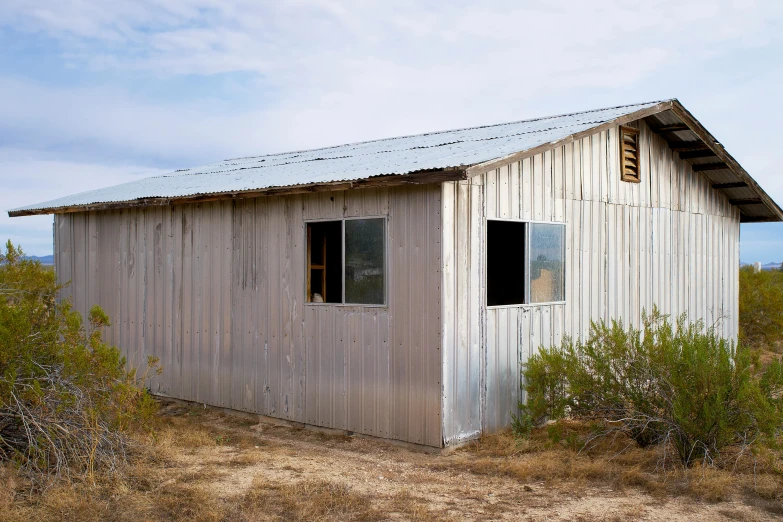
<point>670,240</point>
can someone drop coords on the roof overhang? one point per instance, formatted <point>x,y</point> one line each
<point>684,134</point>
<point>413,178</point>
<point>688,137</point>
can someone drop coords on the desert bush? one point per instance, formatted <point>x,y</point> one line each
<point>677,386</point>
<point>66,397</point>
<point>760,307</point>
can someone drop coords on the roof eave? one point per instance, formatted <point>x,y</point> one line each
<point>687,118</point>
<point>412,178</point>
<point>715,146</point>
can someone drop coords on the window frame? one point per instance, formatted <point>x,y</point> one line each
<point>342,221</point>
<point>526,261</point>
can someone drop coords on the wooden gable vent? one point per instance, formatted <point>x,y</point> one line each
<point>629,154</point>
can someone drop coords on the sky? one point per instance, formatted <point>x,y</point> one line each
<point>93,94</point>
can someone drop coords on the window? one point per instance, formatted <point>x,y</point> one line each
<point>547,263</point>
<point>629,154</point>
<point>346,261</point>
<point>525,263</point>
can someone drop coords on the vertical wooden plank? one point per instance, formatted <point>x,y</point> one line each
<point>434,317</point>
<point>589,293</point>
<point>536,339</point>
<point>569,266</point>
<point>491,191</point>
<point>559,175</point>
<point>383,407</point>
<point>184,341</point>
<point>495,335</point>
<point>557,324</point>
<point>613,265</point>
<point>599,150</point>
<point>568,170</point>
<point>355,369</point>
<point>275,248</point>
<point>548,191</point>
<point>655,264</point>
<point>586,169</point>
<point>241,348</point>
<point>159,267</point>
<point>644,275</point>
<point>626,279</point>
<point>526,203</point>
<point>538,187</point>
<point>227,311</point>
<point>613,184</point>
<point>635,266</point>
<point>596,174</point>
<point>644,165</point>
<point>515,190</point>
<point>598,306</point>
<point>503,194</point>
<point>402,334</point>
<point>525,335</point>
<point>546,326</point>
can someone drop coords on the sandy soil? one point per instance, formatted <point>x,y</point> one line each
<point>410,484</point>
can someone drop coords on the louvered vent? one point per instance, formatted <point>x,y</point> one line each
<point>629,154</point>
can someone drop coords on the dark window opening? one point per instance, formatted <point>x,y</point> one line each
<point>505,263</point>
<point>324,262</point>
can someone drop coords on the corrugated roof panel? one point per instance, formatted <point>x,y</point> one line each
<point>393,156</point>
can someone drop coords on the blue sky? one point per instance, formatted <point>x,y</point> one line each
<point>97,93</point>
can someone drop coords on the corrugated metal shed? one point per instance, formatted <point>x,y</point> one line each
<point>458,153</point>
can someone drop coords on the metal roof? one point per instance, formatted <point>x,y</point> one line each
<point>437,151</point>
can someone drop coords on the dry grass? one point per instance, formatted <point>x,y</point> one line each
<point>307,500</point>
<point>204,466</point>
<point>620,465</point>
<point>415,508</point>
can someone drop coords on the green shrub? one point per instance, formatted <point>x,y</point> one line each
<point>760,307</point>
<point>679,386</point>
<point>66,397</point>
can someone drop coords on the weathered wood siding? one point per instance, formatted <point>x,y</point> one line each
<point>670,241</point>
<point>216,291</point>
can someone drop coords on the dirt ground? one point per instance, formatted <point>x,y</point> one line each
<point>213,466</point>
<point>428,485</point>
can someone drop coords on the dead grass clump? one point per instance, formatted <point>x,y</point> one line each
<point>707,483</point>
<point>8,485</point>
<point>248,458</point>
<point>556,457</point>
<point>307,500</point>
<point>178,501</point>
<point>638,478</point>
<point>414,508</point>
<point>118,499</point>
<point>768,487</point>
<point>182,433</point>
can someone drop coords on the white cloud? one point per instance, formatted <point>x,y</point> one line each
<point>27,177</point>
<point>316,72</point>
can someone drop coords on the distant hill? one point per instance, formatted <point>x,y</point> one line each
<point>45,260</point>
<point>765,266</point>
